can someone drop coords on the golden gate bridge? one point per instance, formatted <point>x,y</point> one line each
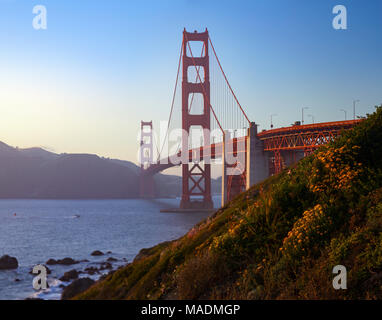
<point>204,100</point>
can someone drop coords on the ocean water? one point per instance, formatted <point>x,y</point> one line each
<point>34,231</point>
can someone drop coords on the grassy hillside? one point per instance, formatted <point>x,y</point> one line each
<point>279,240</point>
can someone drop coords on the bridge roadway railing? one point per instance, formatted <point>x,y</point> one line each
<point>298,137</point>
<point>301,137</point>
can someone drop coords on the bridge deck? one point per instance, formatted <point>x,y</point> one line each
<point>297,137</point>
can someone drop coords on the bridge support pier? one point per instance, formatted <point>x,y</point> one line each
<point>257,162</point>
<point>292,157</point>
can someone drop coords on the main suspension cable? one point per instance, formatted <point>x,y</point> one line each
<point>217,59</point>
<point>173,101</point>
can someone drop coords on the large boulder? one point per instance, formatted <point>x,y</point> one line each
<point>76,287</point>
<point>8,263</point>
<point>51,262</point>
<point>70,275</point>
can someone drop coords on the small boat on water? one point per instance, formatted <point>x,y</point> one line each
<point>76,216</point>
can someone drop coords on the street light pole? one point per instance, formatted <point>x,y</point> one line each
<point>312,116</point>
<point>344,112</point>
<point>302,120</point>
<point>272,115</point>
<point>354,102</point>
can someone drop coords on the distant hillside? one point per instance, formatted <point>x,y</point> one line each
<point>37,173</point>
<point>279,240</point>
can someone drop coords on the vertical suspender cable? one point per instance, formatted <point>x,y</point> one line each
<point>173,100</point>
<point>237,101</point>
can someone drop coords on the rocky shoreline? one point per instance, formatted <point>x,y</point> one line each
<point>79,276</point>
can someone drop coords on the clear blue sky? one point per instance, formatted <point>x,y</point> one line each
<point>84,84</point>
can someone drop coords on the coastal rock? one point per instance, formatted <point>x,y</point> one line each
<point>106,265</point>
<point>76,287</point>
<point>65,261</point>
<point>70,275</point>
<point>111,259</point>
<point>51,262</point>
<point>91,270</point>
<point>97,253</point>
<point>7,263</point>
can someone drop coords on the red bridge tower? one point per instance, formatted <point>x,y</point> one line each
<point>196,193</point>
<point>146,159</point>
